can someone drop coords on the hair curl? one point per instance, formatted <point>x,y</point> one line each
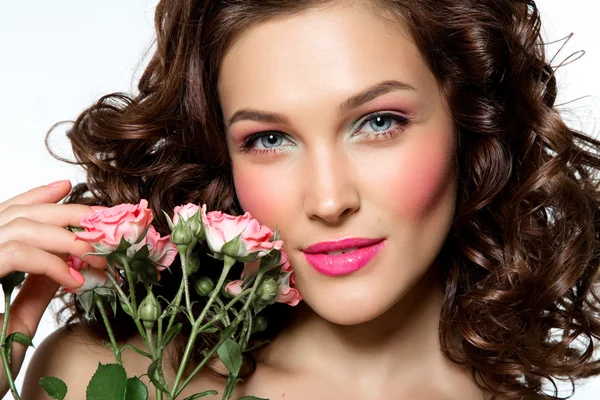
<point>523,250</point>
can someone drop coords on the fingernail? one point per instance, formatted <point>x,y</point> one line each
<point>98,208</point>
<point>77,276</point>
<point>57,183</point>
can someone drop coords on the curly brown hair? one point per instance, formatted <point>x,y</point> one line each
<point>523,250</point>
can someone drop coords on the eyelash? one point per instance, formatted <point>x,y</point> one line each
<point>401,121</point>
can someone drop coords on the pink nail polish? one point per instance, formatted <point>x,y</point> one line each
<point>57,183</point>
<point>77,276</point>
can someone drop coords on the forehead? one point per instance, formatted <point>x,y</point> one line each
<point>326,53</point>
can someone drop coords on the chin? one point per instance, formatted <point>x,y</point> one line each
<point>351,306</point>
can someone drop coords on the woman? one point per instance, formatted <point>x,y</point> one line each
<point>419,138</point>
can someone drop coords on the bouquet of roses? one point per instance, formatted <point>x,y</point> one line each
<point>137,254</point>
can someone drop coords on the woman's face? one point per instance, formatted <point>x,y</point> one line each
<point>337,130</point>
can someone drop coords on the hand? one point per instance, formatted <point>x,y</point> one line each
<point>33,239</point>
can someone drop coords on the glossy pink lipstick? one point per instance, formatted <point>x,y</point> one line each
<point>344,256</point>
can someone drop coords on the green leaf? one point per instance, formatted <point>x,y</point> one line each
<point>198,395</point>
<point>19,338</point>
<point>231,355</point>
<point>170,334</point>
<point>136,390</point>
<point>54,387</point>
<point>109,382</point>
<point>152,376</point>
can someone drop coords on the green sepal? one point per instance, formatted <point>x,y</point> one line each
<point>123,246</point>
<point>143,235</point>
<point>74,229</point>
<point>10,281</point>
<point>169,220</point>
<point>126,309</point>
<point>234,247</point>
<point>270,260</point>
<point>86,299</point>
<point>54,387</point>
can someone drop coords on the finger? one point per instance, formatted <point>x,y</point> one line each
<point>50,238</point>
<point>18,256</point>
<point>51,193</point>
<point>32,300</point>
<point>49,213</point>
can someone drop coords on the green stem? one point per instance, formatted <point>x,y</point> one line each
<point>5,361</point>
<point>176,305</point>
<point>125,300</point>
<point>125,263</point>
<point>176,391</point>
<point>184,261</point>
<point>226,315</point>
<point>227,264</point>
<point>111,336</point>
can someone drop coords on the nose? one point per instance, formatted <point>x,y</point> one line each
<point>331,194</point>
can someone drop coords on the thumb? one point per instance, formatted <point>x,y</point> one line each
<point>32,301</point>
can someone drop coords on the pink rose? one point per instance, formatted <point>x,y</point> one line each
<point>288,295</point>
<point>161,250</point>
<point>234,287</point>
<point>186,212</point>
<point>94,277</point>
<point>255,239</point>
<point>104,228</point>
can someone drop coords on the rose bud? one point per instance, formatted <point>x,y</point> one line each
<point>267,290</point>
<point>224,293</point>
<point>259,324</point>
<point>193,264</point>
<point>203,286</point>
<point>149,310</point>
<point>182,235</point>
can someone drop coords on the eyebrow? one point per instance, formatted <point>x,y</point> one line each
<point>353,102</point>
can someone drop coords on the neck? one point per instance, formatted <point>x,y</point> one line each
<point>400,346</point>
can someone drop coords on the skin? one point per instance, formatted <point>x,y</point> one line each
<point>327,177</point>
<point>368,335</point>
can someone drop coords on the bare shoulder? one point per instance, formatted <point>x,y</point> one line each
<point>69,354</point>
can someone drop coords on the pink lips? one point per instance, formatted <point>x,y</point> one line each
<point>342,264</point>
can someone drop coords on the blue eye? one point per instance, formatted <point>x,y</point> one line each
<point>381,124</point>
<point>265,141</point>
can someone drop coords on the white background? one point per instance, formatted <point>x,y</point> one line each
<point>57,57</point>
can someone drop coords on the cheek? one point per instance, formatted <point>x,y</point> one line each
<point>411,183</point>
<point>264,193</point>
